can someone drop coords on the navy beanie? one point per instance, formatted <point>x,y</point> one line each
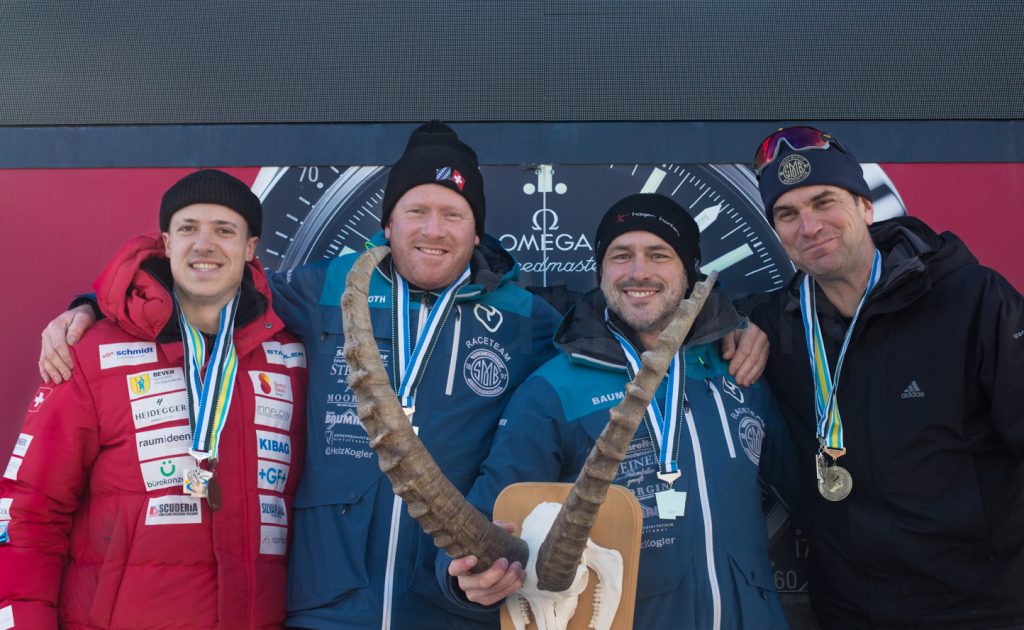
<point>212,186</point>
<point>435,155</point>
<point>811,167</point>
<point>650,212</point>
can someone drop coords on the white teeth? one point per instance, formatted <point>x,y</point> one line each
<point>428,250</point>
<point>203,266</point>
<point>640,294</point>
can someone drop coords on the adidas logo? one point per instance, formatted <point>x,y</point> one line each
<point>912,391</point>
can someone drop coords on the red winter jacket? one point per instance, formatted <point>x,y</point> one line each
<point>100,532</point>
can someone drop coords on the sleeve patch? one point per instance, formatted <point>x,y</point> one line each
<point>21,446</point>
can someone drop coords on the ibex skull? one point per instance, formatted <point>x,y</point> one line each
<point>442,511</point>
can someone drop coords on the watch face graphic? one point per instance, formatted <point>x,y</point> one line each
<point>545,216</point>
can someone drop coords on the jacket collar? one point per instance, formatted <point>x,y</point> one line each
<point>135,290</point>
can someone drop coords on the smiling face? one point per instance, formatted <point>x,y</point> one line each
<point>208,246</point>
<point>824,230</point>
<point>643,280</point>
<point>432,234</point>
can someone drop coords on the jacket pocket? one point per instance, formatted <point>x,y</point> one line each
<point>329,550</point>
<point>756,600</point>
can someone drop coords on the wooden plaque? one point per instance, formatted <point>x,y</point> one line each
<point>619,526</point>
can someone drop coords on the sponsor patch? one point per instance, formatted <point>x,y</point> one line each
<point>6,617</point>
<point>273,540</point>
<point>485,373</point>
<point>165,473</point>
<point>289,354</point>
<point>37,401</point>
<point>751,434</point>
<point>272,510</point>
<point>13,466</point>
<point>271,445</point>
<point>5,509</point>
<point>273,413</point>
<point>157,409</point>
<point>133,353</point>
<point>271,476</point>
<point>4,537</point>
<point>270,384</point>
<point>174,511</point>
<point>21,446</point>
<point>163,442</point>
<point>155,382</point>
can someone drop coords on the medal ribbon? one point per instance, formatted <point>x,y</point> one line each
<point>209,397</point>
<point>411,360</point>
<point>830,424</point>
<point>665,429</point>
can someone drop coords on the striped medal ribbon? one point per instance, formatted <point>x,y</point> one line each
<point>834,482</point>
<point>411,357</point>
<point>209,397</point>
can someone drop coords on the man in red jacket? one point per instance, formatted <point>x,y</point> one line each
<point>154,488</point>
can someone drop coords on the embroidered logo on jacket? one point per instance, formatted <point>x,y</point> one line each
<point>732,389</point>
<point>485,373</point>
<point>751,435</point>
<point>132,353</point>
<point>912,391</point>
<point>489,316</point>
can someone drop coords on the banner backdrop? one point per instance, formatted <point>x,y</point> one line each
<point>60,225</point>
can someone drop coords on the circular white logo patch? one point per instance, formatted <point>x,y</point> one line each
<point>485,373</point>
<point>793,169</point>
<point>751,433</point>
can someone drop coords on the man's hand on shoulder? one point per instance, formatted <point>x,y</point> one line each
<point>746,350</point>
<point>55,364</point>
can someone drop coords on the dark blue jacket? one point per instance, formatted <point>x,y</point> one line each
<point>357,559</point>
<point>554,418</point>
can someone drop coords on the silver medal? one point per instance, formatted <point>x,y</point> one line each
<point>837,483</point>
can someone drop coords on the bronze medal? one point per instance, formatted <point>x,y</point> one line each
<point>213,487</point>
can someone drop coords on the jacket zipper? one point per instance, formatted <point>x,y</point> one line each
<point>723,417</point>
<point>709,542</point>
<point>396,515</point>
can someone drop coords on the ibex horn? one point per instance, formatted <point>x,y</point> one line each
<point>563,547</point>
<point>439,508</point>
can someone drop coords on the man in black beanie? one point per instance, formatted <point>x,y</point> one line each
<point>695,462</point>
<point>457,334</point>
<point>913,495</point>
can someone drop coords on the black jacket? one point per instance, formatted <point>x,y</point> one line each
<point>932,401</point>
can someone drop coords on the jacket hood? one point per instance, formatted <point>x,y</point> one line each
<point>134,291</point>
<point>584,336</point>
<point>490,266</point>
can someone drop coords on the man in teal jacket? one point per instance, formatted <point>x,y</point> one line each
<point>695,461</point>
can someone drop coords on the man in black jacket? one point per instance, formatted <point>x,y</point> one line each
<point>898,362</point>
